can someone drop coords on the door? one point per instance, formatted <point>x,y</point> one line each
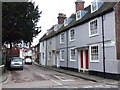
<point>57,59</point>
<point>84,60</point>
<point>87,62</point>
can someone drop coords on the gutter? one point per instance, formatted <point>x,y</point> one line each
<point>67,46</point>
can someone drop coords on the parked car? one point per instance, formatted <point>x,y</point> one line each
<point>28,61</point>
<point>17,62</point>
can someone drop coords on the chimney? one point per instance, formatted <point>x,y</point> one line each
<point>61,18</point>
<point>79,5</point>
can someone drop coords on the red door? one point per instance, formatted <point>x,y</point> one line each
<point>84,59</point>
<point>81,58</point>
<point>87,63</point>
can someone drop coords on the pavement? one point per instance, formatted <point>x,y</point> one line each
<point>4,77</point>
<point>83,75</point>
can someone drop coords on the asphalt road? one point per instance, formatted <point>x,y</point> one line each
<point>36,77</point>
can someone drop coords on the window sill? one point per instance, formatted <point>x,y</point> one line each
<point>72,60</point>
<point>94,61</point>
<point>72,40</point>
<point>90,36</point>
<point>62,60</point>
<point>61,42</point>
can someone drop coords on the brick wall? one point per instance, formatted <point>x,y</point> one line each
<point>117,21</point>
<point>15,51</point>
<point>79,6</point>
<point>61,17</point>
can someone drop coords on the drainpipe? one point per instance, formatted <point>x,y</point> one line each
<point>67,47</point>
<point>103,42</point>
<point>46,53</point>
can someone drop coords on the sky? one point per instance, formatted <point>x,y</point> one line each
<point>50,10</point>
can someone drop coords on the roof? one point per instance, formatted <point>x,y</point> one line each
<point>104,9</point>
<point>43,37</point>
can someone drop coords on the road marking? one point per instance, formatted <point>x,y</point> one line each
<point>43,76</point>
<point>56,82</point>
<point>63,80</point>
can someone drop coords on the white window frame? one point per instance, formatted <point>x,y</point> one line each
<point>70,54</point>
<point>61,59</point>
<point>78,18</point>
<point>96,2</point>
<point>96,29</point>
<point>70,34</point>
<point>49,57</point>
<point>61,42</point>
<point>90,53</point>
<point>66,22</point>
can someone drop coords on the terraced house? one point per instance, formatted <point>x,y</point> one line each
<point>42,55</point>
<point>88,41</point>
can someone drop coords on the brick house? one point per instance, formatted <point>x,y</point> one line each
<point>15,51</point>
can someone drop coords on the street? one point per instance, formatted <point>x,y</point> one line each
<point>37,77</point>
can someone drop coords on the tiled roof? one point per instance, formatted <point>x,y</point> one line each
<point>105,8</point>
<point>51,34</point>
<point>43,37</point>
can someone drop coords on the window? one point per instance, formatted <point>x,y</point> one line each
<point>62,53</point>
<point>94,53</point>
<point>49,55</point>
<point>66,22</point>
<point>72,54</point>
<point>43,44</point>
<point>62,38</point>
<point>56,27</point>
<point>93,28</point>
<point>78,15</point>
<point>50,42</point>
<point>43,55</point>
<point>94,6</point>
<point>72,35</point>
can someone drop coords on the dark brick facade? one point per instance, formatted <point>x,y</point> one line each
<point>117,22</point>
<point>15,51</point>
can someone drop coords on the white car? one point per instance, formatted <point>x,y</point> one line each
<point>28,61</point>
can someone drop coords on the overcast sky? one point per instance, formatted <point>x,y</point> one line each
<point>50,10</point>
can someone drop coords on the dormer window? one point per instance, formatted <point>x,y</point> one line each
<point>67,21</point>
<point>80,14</point>
<point>94,6</point>
<point>48,31</point>
<point>56,27</point>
